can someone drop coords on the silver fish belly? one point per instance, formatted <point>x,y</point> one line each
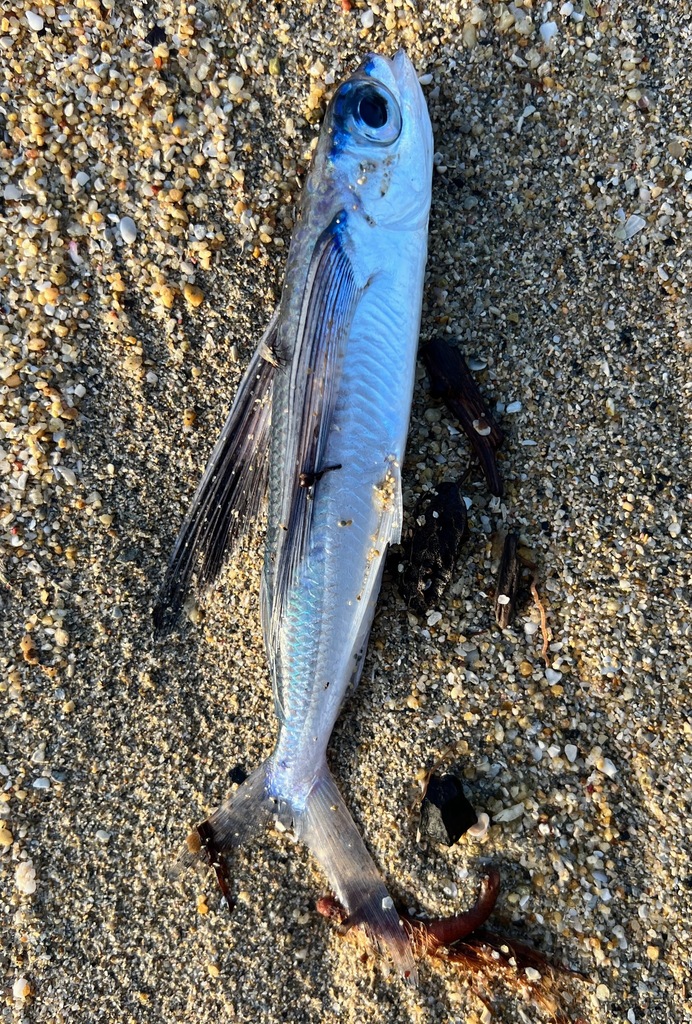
<point>320,422</point>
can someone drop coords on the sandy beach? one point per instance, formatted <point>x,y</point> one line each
<point>150,163</point>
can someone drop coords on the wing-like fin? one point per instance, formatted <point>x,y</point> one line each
<point>231,491</point>
<point>329,302</point>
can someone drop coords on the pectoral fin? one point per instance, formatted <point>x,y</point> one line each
<point>231,491</point>
<point>329,303</point>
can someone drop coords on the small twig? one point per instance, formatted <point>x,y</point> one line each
<point>547,636</point>
<point>507,586</point>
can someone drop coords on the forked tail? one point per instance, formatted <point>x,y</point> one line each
<point>321,821</point>
<point>328,830</point>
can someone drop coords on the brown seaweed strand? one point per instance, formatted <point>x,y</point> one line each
<point>544,622</point>
<point>428,936</point>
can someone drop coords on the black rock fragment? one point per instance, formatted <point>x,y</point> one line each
<point>452,381</point>
<point>155,35</point>
<point>128,555</point>
<point>238,774</point>
<point>445,812</point>
<point>433,548</point>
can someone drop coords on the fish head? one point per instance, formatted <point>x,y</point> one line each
<point>376,144</point>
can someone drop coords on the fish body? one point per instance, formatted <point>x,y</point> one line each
<point>320,421</point>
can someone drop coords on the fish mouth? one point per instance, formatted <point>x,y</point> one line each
<point>403,68</point>
<point>397,73</point>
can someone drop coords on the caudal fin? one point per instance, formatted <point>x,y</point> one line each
<point>324,824</point>
<point>328,830</point>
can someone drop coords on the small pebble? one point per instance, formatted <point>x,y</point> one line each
<point>193,296</point>
<point>367,18</point>
<point>28,649</point>
<point>481,827</point>
<point>607,767</point>
<point>62,637</point>
<point>482,428</point>
<point>25,877</point>
<point>34,21</point>
<point>128,230</point>
<point>477,364</point>
<point>21,990</point>
<point>633,225</point>
<point>548,31</point>
<point>571,752</point>
<point>509,813</point>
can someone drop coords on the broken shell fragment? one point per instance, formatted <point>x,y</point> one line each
<point>445,812</point>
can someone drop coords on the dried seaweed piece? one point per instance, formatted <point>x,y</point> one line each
<point>451,380</point>
<point>445,813</point>
<point>507,586</point>
<point>434,548</point>
<point>483,955</point>
<point>428,936</point>
<point>545,631</point>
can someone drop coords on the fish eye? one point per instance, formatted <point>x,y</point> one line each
<point>368,111</point>
<point>372,110</point>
